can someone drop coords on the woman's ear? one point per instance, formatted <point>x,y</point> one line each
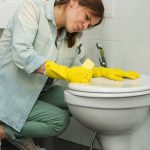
<point>73,3</point>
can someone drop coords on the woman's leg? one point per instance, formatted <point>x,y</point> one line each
<point>55,96</point>
<point>49,116</point>
<point>2,132</point>
<point>45,120</point>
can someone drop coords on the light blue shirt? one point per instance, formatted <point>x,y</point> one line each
<point>27,42</point>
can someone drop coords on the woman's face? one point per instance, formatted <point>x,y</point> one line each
<point>79,18</point>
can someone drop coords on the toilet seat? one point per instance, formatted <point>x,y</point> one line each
<point>88,94</point>
<point>102,87</point>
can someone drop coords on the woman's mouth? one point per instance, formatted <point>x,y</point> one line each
<point>78,28</point>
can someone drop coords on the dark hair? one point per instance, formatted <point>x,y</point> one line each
<point>97,10</point>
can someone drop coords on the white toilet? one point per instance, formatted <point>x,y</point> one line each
<point>113,109</point>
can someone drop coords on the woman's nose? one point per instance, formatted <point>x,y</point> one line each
<point>86,24</point>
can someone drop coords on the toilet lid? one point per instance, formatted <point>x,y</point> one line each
<point>103,85</point>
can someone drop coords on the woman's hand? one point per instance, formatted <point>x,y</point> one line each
<point>41,69</point>
<point>74,74</point>
<point>114,73</point>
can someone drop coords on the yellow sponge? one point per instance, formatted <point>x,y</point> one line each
<point>88,64</point>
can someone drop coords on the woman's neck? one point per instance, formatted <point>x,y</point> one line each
<point>59,11</point>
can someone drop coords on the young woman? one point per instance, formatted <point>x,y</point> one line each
<point>42,33</point>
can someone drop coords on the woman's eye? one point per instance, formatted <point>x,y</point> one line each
<point>87,17</point>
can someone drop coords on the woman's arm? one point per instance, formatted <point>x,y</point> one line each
<point>41,69</point>
<point>24,27</point>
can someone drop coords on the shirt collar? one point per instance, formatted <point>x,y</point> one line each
<point>63,35</point>
<point>49,9</point>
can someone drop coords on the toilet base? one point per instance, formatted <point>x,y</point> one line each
<point>115,142</point>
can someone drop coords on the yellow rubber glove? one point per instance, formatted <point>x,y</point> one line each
<point>74,74</point>
<point>114,73</point>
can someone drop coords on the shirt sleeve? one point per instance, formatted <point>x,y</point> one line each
<point>24,27</point>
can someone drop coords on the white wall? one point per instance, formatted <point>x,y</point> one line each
<point>125,37</point>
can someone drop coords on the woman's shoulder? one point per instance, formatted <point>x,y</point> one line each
<point>34,3</point>
<point>32,6</point>
<point>38,2</point>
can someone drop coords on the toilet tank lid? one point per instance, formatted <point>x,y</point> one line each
<point>103,85</point>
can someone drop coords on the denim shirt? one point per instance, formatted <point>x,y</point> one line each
<point>26,43</point>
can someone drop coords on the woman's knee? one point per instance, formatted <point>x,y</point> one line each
<point>59,123</point>
<point>64,121</point>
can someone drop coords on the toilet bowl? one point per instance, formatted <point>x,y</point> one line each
<point>113,109</point>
